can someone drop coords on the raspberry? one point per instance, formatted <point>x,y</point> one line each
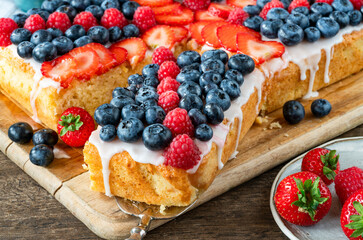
<point>162,54</point>
<point>168,69</point>
<point>7,25</point>
<point>356,3</point>
<point>237,16</point>
<point>329,1</point>
<point>298,3</point>
<point>196,5</point>
<point>34,23</point>
<point>144,18</point>
<point>85,19</point>
<point>179,122</point>
<point>182,153</point>
<point>113,18</point>
<point>168,101</point>
<point>269,6</point>
<point>59,20</point>
<point>347,182</point>
<point>5,39</point>
<point>168,84</point>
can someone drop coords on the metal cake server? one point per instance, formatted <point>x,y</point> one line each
<point>146,213</point>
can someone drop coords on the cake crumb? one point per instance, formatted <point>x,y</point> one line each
<point>85,166</point>
<point>162,209</point>
<point>260,120</point>
<point>275,125</point>
<point>286,135</point>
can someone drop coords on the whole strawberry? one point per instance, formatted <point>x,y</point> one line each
<point>351,218</point>
<point>322,162</point>
<point>302,199</point>
<point>347,182</point>
<point>75,126</point>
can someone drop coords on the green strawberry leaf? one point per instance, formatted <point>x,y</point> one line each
<point>70,123</point>
<point>357,221</point>
<point>330,162</point>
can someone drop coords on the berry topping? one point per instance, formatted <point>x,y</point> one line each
<point>167,84</point>
<point>45,136</point>
<point>184,17</point>
<point>130,130</point>
<point>106,58</point>
<point>218,54</point>
<point>132,111</point>
<point>191,101</point>
<point>253,23</point>
<point>119,53</point>
<point>327,1</point>
<point>136,49</point>
<point>41,155</point>
<point>107,114</point>
<point>130,31</point>
<point>75,32</point>
<point>20,132</point>
<point>269,6</point>
<point>112,18</point>
<point>241,4</point>
<point>188,75</point>
<point>218,97</point>
<point>24,49</point>
<point>242,63</point>
<point>196,5</point>
<point>357,4</point>
<point>154,114</point>
<point>196,31</point>
<point>212,65</point>
<point>203,132</point>
<point>108,133</point>
<point>293,112</point>
<point>41,36</point>
<point>220,10</point>
<point>128,9</point>
<point>327,27</point>
<point>205,15</point>
<point>59,20</point>
<point>87,61</point>
<point>237,16</point>
<point>162,54</point>
<point>347,182</point>
<point>188,57</point>
<point>144,18</point>
<point>168,69</point>
<point>7,26</point>
<point>298,3</point>
<point>34,23</point>
<point>110,4</point>
<point>214,113</point>
<point>156,137</point>
<point>44,52</point>
<point>69,10</point>
<point>342,5</point>
<point>160,35</point>
<point>170,9</point>
<point>209,34</point>
<point>290,34</point>
<point>151,70</point>
<point>168,100</point>
<point>180,33</point>
<point>19,18</point>
<point>97,11</point>
<point>20,35</point>
<point>197,117</point>
<point>86,20</point>
<point>312,34</point>
<point>154,3</point>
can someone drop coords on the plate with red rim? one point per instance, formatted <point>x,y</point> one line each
<point>351,154</point>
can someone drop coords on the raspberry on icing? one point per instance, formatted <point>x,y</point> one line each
<point>169,100</point>
<point>298,3</point>
<point>34,23</point>
<point>168,84</point>
<point>269,6</point>
<point>144,18</point>
<point>237,16</point>
<point>196,5</point>
<point>112,18</point>
<point>178,122</point>
<point>59,20</point>
<point>85,19</point>
<point>168,69</point>
<point>7,26</point>
<point>328,1</point>
<point>162,54</point>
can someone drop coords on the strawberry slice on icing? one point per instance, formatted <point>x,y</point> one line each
<point>171,9</point>
<point>219,10</point>
<point>180,33</point>
<point>160,35</point>
<point>259,50</point>
<point>61,69</point>
<point>204,15</point>
<point>184,17</point>
<point>196,31</point>
<point>136,49</point>
<point>209,34</point>
<point>241,3</point>
<point>119,53</point>
<point>87,61</point>
<point>154,3</point>
<point>107,59</point>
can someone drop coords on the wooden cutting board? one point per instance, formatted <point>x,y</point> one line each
<point>261,149</point>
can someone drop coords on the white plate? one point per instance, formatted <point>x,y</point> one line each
<point>351,154</point>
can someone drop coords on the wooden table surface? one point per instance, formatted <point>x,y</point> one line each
<point>27,211</point>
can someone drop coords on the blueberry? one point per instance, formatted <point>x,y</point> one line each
<point>128,9</point>
<point>97,2</point>
<point>355,17</point>
<point>108,133</point>
<point>242,63</point>
<point>320,108</point>
<point>121,101</point>
<point>298,19</point>
<point>154,115</point>
<point>150,70</point>
<point>191,101</point>
<point>132,111</point>
<point>69,10</point>
<point>290,34</point>
<point>214,113</point>
<point>269,29</point>
<point>131,31</point>
<point>157,137</point>
<point>110,4</point>
<point>321,7</point>
<point>302,10</point>
<point>55,32</point>
<point>210,77</point>
<point>99,34</point>
<point>145,93</point>
<point>80,5</point>
<point>63,45</point>
<point>136,79</point>
<point>75,32</point>
<point>189,87</point>
<point>44,14</point>
<point>107,114</point>
<point>233,74</point>
<point>25,49</point>
<point>252,10</point>
<point>327,27</point>
<point>44,52</point>
<point>20,35</point>
<point>188,75</point>
<point>41,36</point>
<point>151,81</point>
<point>197,117</point>
<point>82,41</point>
<point>130,130</point>
<point>122,91</point>
<point>50,6</point>
<point>214,65</point>
<point>41,155</point>
<point>188,57</point>
<point>115,34</point>
<point>286,3</point>
<point>45,136</point>
<point>231,87</point>
<point>96,11</point>
<point>341,18</point>
<point>20,132</point>
<point>293,112</point>
<point>210,86</point>
<point>253,22</point>
<point>313,18</point>
<point>262,3</point>
<point>203,132</point>
<point>20,18</point>
<point>148,104</point>
<point>215,54</point>
<point>312,34</point>
<point>342,5</point>
<point>134,88</point>
<point>218,97</point>
<point>193,66</point>
<point>277,13</point>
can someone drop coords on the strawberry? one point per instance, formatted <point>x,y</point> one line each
<point>61,69</point>
<point>351,218</point>
<point>219,10</point>
<point>136,49</point>
<point>87,61</point>
<point>302,199</point>
<point>241,3</point>
<point>154,3</point>
<point>227,35</point>
<point>180,33</point>
<point>119,53</point>
<point>171,9</point>
<point>184,17</point>
<point>206,16</point>
<point>323,163</point>
<point>75,126</point>
<point>107,59</point>
<point>259,50</point>
<point>160,35</point>
<point>209,34</point>
<point>196,31</point>
<point>347,182</point>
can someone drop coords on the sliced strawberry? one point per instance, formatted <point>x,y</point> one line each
<point>160,35</point>
<point>172,9</point>
<point>87,61</point>
<point>184,17</point>
<point>259,50</point>
<point>227,35</point>
<point>196,31</point>
<point>136,49</point>
<point>61,69</point>
<point>219,10</point>
<point>206,16</point>
<point>180,33</point>
<point>107,59</point>
<point>209,34</point>
<point>119,53</point>
<point>154,3</point>
<point>241,3</point>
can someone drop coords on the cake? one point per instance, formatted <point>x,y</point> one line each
<point>286,69</point>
